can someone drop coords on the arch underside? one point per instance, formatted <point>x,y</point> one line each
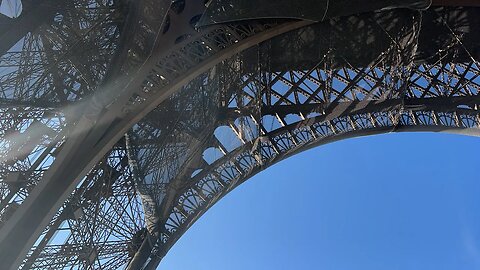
<point>221,165</point>
<point>243,105</point>
<point>260,107</point>
<point>214,181</point>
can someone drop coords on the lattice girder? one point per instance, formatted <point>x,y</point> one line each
<point>47,75</point>
<point>268,134</point>
<point>204,113</point>
<point>380,98</point>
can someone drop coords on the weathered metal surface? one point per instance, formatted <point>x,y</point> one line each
<point>205,108</point>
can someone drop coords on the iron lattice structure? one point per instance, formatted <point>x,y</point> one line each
<point>122,121</point>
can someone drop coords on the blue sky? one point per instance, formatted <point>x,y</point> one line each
<point>396,201</point>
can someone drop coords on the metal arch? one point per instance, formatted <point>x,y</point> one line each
<point>102,99</point>
<point>228,172</point>
<point>446,104</point>
<point>455,90</point>
<point>67,171</point>
<point>159,77</point>
<point>135,115</point>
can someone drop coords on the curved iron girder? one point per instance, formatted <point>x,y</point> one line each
<point>445,112</point>
<point>96,132</point>
<point>50,230</point>
<point>146,96</point>
<point>219,178</point>
<point>154,261</point>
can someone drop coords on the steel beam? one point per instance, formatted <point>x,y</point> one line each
<point>173,62</point>
<point>91,138</point>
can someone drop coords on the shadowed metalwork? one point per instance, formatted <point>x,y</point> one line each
<point>122,121</point>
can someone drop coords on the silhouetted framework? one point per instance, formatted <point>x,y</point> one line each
<point>123,121</point>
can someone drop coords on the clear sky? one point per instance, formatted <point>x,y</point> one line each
<point>397,201</point>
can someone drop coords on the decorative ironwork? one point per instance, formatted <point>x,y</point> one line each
<point>122,122</point>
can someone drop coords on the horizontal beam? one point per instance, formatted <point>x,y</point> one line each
<point>355,106</point>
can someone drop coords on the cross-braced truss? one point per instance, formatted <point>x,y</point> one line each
<point>122,122</point>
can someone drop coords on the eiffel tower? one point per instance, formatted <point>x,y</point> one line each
<point>123,121</point>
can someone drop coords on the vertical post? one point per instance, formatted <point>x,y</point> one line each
<point>149,209</point>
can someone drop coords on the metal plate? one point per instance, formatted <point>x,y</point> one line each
<point>221,11</point>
